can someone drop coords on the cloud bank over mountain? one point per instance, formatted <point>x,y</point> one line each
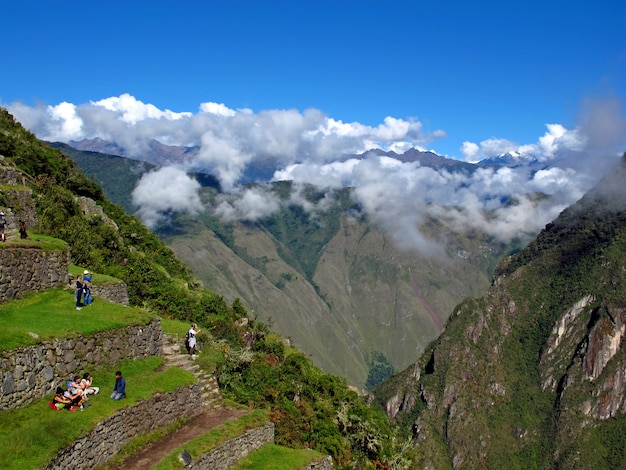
<point>310,147</point>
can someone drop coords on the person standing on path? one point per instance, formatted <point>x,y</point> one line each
<point>3,225</point>
<point>191,339</point>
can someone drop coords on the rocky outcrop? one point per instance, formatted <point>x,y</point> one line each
<point>536,368</point>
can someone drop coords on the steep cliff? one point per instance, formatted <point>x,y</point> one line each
<point>532,374</point>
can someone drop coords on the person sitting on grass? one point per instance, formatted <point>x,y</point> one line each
<point>60,401</point>
<point>85,384</point>
<point>75,396</point>
<point>119,389</point>
<point>75,387</point>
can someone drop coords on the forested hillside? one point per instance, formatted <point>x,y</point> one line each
<point>532,374</point>
<point>310,408</point>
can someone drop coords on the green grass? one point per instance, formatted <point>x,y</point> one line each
<point>209,441</point>
<point>273,457</point>
<point>30,437</point>
<point>175,327</point>
<point>97,279</point>
<point>43,242</point>
<point>52,314</point>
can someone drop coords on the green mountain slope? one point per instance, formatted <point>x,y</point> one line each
<point>337,285</point>
<point>253,366</point>
<point>334,283</point>
<point>118,176</point>
<point>532,374</point>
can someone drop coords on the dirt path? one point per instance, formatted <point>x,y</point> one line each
<point>157,451</point>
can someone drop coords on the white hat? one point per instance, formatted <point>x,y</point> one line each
<point>85,272</point>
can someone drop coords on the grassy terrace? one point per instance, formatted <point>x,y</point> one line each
<point>52,314</point>
<point>35,241</point>
<point>31,436</point>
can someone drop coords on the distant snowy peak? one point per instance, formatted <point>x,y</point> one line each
<point>510,159</point>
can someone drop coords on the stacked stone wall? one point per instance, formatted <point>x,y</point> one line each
<point>229,453</point>
<point>111,434</point>
<point>31,269</point>
<point>324,464</point>
<point>117,293</point>
<point>32,372</point>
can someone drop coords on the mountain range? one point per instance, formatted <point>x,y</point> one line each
<point>527,371</point>
<point>336,283</point>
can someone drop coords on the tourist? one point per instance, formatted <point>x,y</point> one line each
<point>23,234</point>
<point>119,390</point>
<point>60,401</point>
<point>3,224</point>
<point>85,384</point>
<point>87,277</point>
<point>75,387</point>
<point>79,292</point>
<point>75,396</point>
<point>191,339</point>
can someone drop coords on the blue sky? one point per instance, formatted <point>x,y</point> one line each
<point>310,82</point>
<point>474,70</point>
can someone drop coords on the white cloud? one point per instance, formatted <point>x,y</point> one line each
<point>165,190</point>
<point>217,108</point>
<point>471,151</point>
<point>71,124</point>
<point>311,148</point>
<point>132,111</point>
<point>249,204</point>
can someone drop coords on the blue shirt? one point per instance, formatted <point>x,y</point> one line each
<point>120,385</point>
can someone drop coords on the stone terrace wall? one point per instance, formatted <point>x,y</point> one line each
<point>35,371</point>
<point>325,464</point>
<point>229,453</point>
<point>108,436</point>
<point>117,293</point>
<point>31,269</point>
